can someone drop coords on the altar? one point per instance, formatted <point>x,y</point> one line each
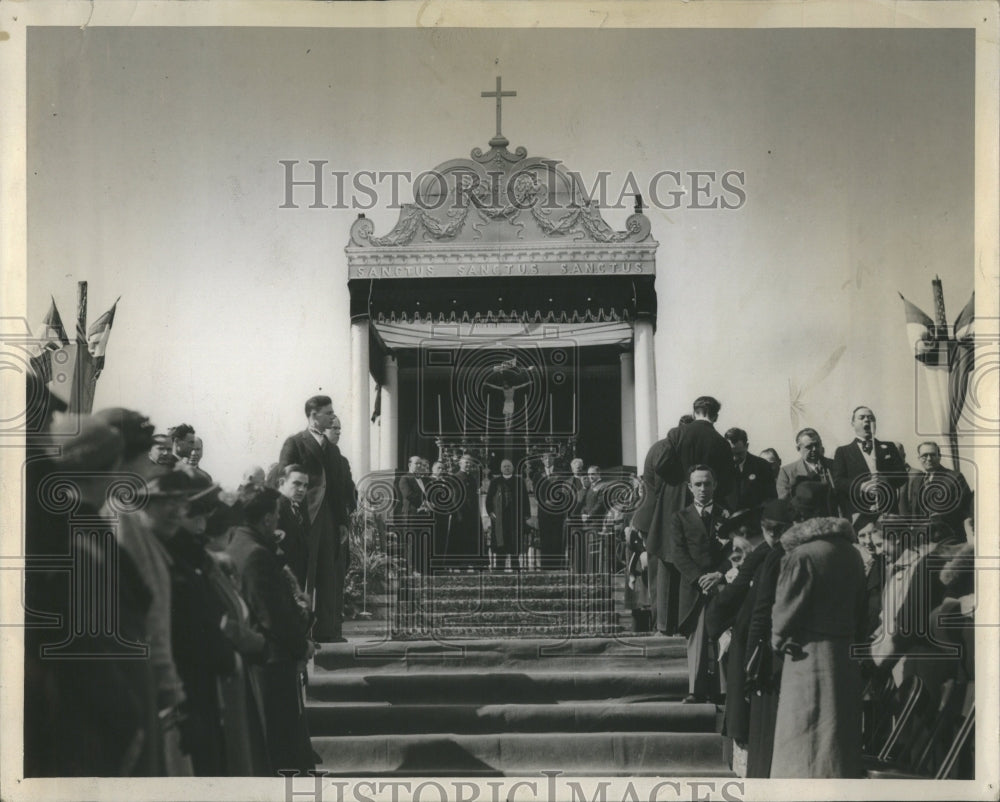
<point>502,314</point>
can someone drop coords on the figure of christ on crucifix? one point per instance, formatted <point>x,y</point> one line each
<point>509,390</point>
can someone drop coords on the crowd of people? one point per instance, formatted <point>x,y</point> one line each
<point>168,632</point>
<point>483,520</point>
<point>811,594</point>
<point>814,595</point>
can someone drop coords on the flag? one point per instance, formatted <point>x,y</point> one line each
<point>98,334</point>
<point>931,348</point>
<point>52,327</point>
<point>963,323</point>
<point>928,347</point>
<point>377,412</point>
<point>962,360</point>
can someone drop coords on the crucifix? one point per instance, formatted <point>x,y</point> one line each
<point>498,94</point>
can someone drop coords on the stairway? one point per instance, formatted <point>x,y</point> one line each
<point>499,605</point>
<point>510,695</point>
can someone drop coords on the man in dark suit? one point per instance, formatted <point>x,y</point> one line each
<point>412,491</point>
<point>754,482</point>
<point>937,491</point>
<point>867,472</point>
<point>811,466</point>
<point>554,494</point>
<point>414,525</point>
<point>694,443</point>
<point>328,507</point>
<point>293,521</point>
<point>465,541</point>
<point>285,625</point>
<point>592,557</point>
<point>696,552</point>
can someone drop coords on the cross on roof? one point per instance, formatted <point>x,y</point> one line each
<point>498,94</point>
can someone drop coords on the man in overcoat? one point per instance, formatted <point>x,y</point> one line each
<point>328,504</point>
<point>664,477</point>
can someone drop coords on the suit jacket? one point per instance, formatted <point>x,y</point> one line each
<point>268,594</point>
<point>694,551</point>
<point>329,475</point>
<point>555,496</point>
<point>791,474</point>
<point>726,605</point>
<point>850,469</point>
<point>594,504</point>
<point>643,519</point>
<point>295,544</point>
<point>693,444</point>
<point>579,491</point>
<point>411,496</point>
<point>752,486</point>
<point>948,496</point>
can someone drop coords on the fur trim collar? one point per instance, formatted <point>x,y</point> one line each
<point>816,529</point>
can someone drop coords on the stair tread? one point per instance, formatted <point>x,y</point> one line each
<point>602,753</point>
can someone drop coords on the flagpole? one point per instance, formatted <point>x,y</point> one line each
<point>81,311</point>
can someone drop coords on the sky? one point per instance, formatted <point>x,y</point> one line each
<point>154,174</point>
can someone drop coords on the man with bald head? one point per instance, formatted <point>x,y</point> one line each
<point>867,472</point>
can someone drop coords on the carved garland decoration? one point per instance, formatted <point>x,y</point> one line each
<point>584,219</point>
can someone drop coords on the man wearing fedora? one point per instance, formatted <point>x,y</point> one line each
<point>328,511</point>
<point>867,472</point>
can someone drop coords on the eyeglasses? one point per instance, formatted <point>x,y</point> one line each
<point>928,456</point>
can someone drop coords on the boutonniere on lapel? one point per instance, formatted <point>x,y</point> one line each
<point>752,476</point>
<point>884,446</point>
<point>717,526</point>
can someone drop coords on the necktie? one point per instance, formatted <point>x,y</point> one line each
<point>866,446</point>
<point>706,518</point>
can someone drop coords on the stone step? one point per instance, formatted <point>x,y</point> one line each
<point>667,683</point>
<point>374,718</point>
<point>626,654</point>
<point>547,605</point>
<point>458,632</point>
<point>674,754</point>
<point>495,617</point>
<point>522,579</point>
<point>505,592</point>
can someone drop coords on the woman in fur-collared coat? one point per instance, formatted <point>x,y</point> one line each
<point>820,609</point>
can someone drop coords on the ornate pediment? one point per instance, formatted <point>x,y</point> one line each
<point>500,197</point>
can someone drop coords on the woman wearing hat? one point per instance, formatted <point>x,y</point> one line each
<point>820,609</point>
<point>201,651</point>
<point>763,665</point>
<point>240,692</point>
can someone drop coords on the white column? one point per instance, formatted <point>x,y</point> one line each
<point>646,429</point>
<point>360,431</point>
<point>628,410</point>
<point>390,416</point>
